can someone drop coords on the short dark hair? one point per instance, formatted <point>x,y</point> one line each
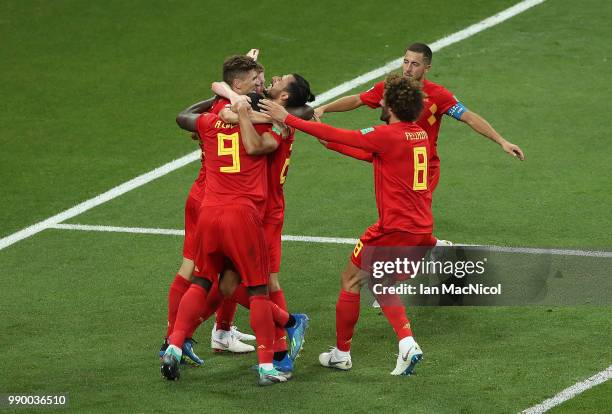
<point>260,68</point>
<point>299,92</point>
<point>236,66</point>
<point>403,96</point>
<point>423,49</point>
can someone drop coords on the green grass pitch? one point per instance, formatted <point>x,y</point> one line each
<point>89,95</point>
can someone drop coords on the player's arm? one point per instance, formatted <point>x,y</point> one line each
<point>254,144</point>
<point>346,103</point>
<point>323,131</point>
<point>480,125</point>
<point>186,119</point>
<point>230,117</point>
<point>352,152</point>
<point>345,149</point>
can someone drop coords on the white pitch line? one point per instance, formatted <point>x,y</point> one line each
<point>324,97</point>
<point>435,46</point>
<point>115,229</point>
<point>333,240</point>
<point>99,199</point>
<point>570,392</point>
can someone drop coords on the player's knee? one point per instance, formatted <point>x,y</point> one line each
<point>351,279</point>
<point>258,290</point>
<point>186,269</point>
<point>228,282</point>
<point>204,283</point>
<point>274,283</point>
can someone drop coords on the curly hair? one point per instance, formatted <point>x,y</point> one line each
<point>236,67</point>
<point>403,96</point>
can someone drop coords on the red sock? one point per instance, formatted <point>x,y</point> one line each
<point>225,314</point>
<point>263,327</point>
<point>213,301</point>
<point>347,314</point>
<point>177,289</point>
<point>396,315</point>
<point>280,339</point>
<point>241,296</point>
<point>191,307</point>
<point>280,316</point>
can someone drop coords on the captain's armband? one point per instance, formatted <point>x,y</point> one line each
<point>456,111</point>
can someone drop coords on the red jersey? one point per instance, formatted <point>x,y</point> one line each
<point>437,101</point>
<point>399,153</point>
<point>232,175</point>
<point>278,167</point>
<point>219,104</point>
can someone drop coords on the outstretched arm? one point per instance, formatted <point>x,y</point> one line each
<point>186,119</point>
<point>480,125</point>
<point>346,103</point>
<point>327,132</point>
<point>352,152</point>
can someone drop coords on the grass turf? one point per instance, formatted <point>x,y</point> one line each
<point>90,103</point>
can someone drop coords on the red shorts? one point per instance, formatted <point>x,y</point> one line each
<point>273,232</point>
<point>192,212</point>
<point>374,237</point>
<point>236,233</point>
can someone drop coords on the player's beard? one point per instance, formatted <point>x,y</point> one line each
<point>384,114</point>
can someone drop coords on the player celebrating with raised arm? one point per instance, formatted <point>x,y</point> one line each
<point>293,92</point>
<point>399,153</point>
<point>240,72</point>
<point>438,101</point>
<point>229,228</point>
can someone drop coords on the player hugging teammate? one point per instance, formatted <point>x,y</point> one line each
<point>239,221</point>
<point>237,236</point>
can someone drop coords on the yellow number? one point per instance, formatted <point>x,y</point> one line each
<point>420,168</point>
<point>283,175</point>
<point>233,150</point>
<point>357,248</point>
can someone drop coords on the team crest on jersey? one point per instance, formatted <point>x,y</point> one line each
<point>366,130</point>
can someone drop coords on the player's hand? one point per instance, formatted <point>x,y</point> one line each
<point>316,118</point>
<point>273,110</point>
<point>240,98</point>
<point>513,150</point>
<point>323,142</point>
<point>253,53</point>
<point>195,136</point>
<point>242,106</point>
<point>319,113</point>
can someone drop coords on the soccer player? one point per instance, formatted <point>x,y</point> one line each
<point>403,198</point>
<point>291,91</point>
<point>438,101</point>
<point>230,228</point>
<point>240,72</point>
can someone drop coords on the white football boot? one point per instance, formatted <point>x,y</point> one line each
<point>241,336</point>
<point>410,354</point>
<point>438,251</point>
<point>221,341</point>
<point>336,359</point>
